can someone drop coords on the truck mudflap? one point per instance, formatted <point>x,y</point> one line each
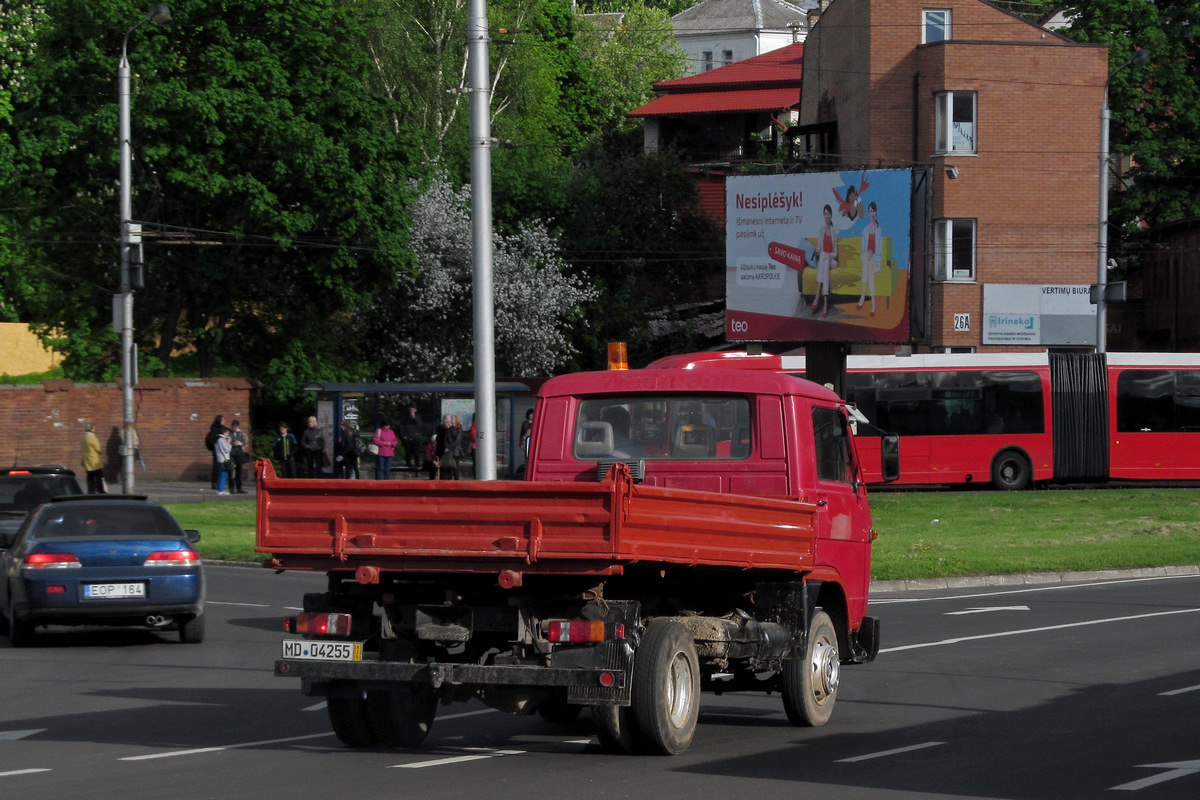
<point>603,683</point>
<point>866,641</point>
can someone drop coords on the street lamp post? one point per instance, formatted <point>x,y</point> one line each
<point>1140,56</point>
<point>158,13</point>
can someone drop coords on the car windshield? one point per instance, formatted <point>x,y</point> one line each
<point>25,493</point>
<point>81,521</point>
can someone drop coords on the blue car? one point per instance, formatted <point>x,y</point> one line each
<point>100,560</point>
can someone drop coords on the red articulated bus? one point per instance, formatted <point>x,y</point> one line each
<point>1016,419</point>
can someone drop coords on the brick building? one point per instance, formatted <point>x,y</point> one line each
<point>43,423</point>
<point>1005,116</point>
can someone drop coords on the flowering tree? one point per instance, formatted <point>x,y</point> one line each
<point>423,329</point>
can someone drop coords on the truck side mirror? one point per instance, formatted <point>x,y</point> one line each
<point>889,456</point>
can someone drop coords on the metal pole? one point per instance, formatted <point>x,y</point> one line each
<point>159,13</point>
<point>1102,247</point>
<point>481,239</point>
<point>126,290</point>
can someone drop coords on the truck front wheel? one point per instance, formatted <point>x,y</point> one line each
<point>348,715</point>
<point>666,688</point>
<point>401,718</point>
<point>810,684</point>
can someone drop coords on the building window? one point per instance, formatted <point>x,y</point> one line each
<point>955,122</point>
<point>935,25</point>
<point>706,61</point>
<point>954,249</point>
<point>726,57</point>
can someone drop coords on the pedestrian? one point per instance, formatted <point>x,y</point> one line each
<point>526,432</point>
<point>222,449</point>
<point>137,448</point>
<point>93,464</point>
<point>312,443</point>
<point>430,463</point>
<point>385,441</point>
<point>408,430</point>
<point>449,440</point>
<point>347,458</point>
<point>238,454</point>
<point>285,451</point>
<point>210,442</point>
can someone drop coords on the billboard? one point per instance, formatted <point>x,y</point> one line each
<point>818,257</point>
<point>1038,314</point>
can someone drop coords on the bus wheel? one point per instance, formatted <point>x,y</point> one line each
<point>1010,471</point>
<point>810,684</point>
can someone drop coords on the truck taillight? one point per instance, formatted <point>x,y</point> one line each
<point>580,631</point>
<point>320,624</point>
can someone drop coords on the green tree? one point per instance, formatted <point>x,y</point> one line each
<point>270,179</point>
<point>423,328</point>
<point>1155,108</point>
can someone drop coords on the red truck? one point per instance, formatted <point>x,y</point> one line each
<point>679,530</point>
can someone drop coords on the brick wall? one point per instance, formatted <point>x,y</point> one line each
<point>43,424</point>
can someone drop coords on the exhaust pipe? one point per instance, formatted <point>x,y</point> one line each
<point>156,620</point>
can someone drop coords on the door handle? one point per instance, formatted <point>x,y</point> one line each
<point>821,503</point>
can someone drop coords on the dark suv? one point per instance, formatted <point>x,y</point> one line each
<point>22,489</point>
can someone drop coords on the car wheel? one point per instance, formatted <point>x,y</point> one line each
<point>191,631</point>
<point>20,632</point>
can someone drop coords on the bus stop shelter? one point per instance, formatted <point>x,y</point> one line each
<point>363,404</point>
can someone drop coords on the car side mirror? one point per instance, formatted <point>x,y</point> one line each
<point>191,535</point>
<point>889,456</point>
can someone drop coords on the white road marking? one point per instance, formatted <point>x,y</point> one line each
<point>441,762</point>
<point>1184,690</point>
<point>1002,634</point>
<point>23,772</point>
<point>886,753</point>
<point>985,610</point>
<point>12,736</point>
<point>198,750</point>
<point>244,605</point>
<point>1177,769</point>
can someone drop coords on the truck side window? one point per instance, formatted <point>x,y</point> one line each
<point>831,439</point>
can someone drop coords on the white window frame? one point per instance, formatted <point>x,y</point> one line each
<point>950,263</point>
<point>706,60</point>
<point>935,25</point>
<point>726,58</point>
<point>956,128</point>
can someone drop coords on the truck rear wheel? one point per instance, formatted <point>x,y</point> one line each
<point>666,688</point>
<point>615,729</point>
<point>351,724</point>
<point>401,718</point>
<point>555,708</point>
<point>810,684</point>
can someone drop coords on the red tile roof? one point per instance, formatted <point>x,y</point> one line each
<point>720,102</point>
<point>770,82</point>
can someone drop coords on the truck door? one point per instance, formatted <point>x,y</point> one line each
<point>843,518</point>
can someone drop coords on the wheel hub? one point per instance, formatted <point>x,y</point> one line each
<point>826,668</point>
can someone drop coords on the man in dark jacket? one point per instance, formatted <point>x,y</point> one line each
<point>409,429</point>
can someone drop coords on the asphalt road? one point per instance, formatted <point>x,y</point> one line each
<point>1059,691</point>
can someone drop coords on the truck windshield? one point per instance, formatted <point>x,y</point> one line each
<point>671,427</point>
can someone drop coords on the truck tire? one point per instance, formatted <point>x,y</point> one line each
<point>615,729</point>
<point>401,718</point>
<point>810,684</point>
<point>1010,471</point>
<point>666,688</point>
<point>350,721</point>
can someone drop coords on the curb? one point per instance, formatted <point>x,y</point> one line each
<point>1029,579</point>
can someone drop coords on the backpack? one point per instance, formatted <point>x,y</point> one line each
<point>210,440</point>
